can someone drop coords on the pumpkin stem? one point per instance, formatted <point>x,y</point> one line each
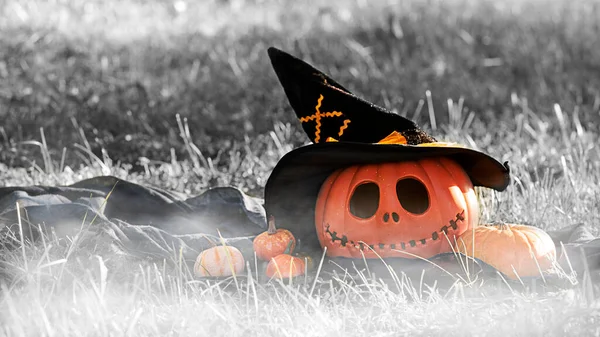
<point>272,229</point>
<point>503,226</point>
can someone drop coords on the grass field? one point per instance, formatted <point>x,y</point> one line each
<point>124,88</point>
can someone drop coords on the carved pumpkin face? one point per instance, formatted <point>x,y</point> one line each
<point>395,209</point>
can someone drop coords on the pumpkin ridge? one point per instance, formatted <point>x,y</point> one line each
<point>538,234</point>
<point>433,195</point>
<point>524,238</point>
<point>461,176</point>
<point>202,257</point>
<point>527,239</point>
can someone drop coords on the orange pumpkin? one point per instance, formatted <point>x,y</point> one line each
<point>508,246</point>
<point>395,209</point>
<point>285,266</point>
<point>219,261</point>
<point>273,242</point>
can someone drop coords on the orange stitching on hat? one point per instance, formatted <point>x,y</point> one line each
<point>344,127</point>
<point>322,114</point>
<point>317,117</point>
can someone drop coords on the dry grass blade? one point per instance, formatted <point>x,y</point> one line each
<point>22,237</point>
<point>312,288</point>
<point>431,110</point>
<point>588,286</point>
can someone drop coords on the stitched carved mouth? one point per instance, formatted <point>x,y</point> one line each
<point>344,241</point>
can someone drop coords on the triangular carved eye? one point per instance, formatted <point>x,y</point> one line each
<point>365,200</point>
<point>413,195</point>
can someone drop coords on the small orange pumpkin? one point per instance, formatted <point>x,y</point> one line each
<point>285,266</point>
<point>504,246</point>
<point>403,209</point>
<point>273,242</point>
<point>219,261</point>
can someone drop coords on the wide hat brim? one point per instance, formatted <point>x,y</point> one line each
<point>293,187</point>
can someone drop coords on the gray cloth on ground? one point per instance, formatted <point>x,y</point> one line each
<point>148,222</point>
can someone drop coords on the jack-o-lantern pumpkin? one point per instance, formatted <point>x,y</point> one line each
<point>404,209</point>
<point>372,182</point>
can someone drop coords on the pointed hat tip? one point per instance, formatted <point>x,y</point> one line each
<point>276,54</point>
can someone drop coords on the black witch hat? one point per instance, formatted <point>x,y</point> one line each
<point>345,131</point>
